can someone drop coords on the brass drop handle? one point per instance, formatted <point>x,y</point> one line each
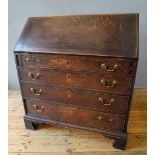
<point>28,60</point>
<point>34,91</point>
<point>38,108</point>
<point>110,102</point>
<point>102,101</point>
<point>104,66</point>
<point>108,84</point>
<point>33,76</point>
<point>101,118</point>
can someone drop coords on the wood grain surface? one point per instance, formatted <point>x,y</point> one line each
<point>106,35</point>
<point>52,140</point>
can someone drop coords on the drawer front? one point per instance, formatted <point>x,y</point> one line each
<point>88,118</point>
<point>82,80</point>
<point>80,63</point>
<point>78,97</point>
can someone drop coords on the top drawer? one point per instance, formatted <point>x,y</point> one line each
<point>79,63</point>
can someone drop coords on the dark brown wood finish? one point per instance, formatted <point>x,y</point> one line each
<point>88,64</point>
<point>78,116</point>
<point>105,35</point>
<point>80,80</point>
<point>120,143</point>
<point>77,63</point>
<point>88,98</point>
<point>79,72</point>
<point>30,125</point>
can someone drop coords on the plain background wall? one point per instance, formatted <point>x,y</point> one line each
<point>20,10</point>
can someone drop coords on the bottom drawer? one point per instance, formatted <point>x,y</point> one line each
<point>77,116</point>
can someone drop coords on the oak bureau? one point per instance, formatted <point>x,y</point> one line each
<point>79,71</point>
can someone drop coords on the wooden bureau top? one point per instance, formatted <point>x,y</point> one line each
<point>115,35</point>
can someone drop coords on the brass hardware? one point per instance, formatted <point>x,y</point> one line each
<point>38,76</point>
<point>110,120</point>
<point>108,84</point>
<point>74,108</point>
<point>99,117</point>
<point>110,102</point>
<point>28,60</point>
<point>68,93</point>
<point>102,101</point>
<point>68,76</point>
<point>104,66</point>
<point>34,91</point>
<point>33,77</point>
<point>38,108</point>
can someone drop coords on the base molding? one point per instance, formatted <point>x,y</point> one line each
<point>120,139</point>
